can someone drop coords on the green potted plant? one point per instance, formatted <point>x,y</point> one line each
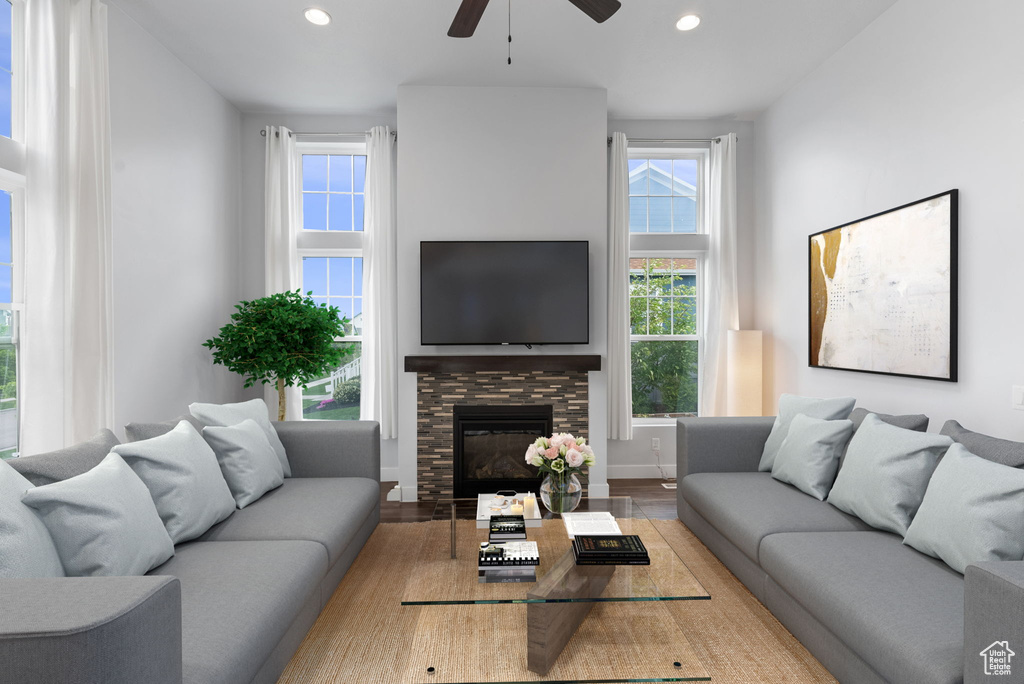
<point>285,339</point>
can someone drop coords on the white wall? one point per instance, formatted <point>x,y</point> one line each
<point>500,163</point>
<point>635,457</point>
<point>927,98</point>
<point>176,155</point>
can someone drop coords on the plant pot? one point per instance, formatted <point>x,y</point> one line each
<point>561,493</point>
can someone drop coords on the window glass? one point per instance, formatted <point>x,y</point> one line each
<point>663,323</point>
<point>8,351</point>
<point>663,195</point>
<point>6,67</point>
<point>332,192</point>
<point>336,396</point>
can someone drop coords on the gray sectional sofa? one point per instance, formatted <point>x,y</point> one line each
<point>869,608</point>
<point>230,607</point>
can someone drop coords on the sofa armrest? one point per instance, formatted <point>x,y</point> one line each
<point>332,448</point>
<point>720,445</point>
<point>993,613</point>
<point>115,630</point>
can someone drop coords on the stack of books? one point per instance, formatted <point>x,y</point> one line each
<point>505,527</point>
<point>609,549</point>
<point>510,561</point>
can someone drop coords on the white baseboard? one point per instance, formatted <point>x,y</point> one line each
<point>597,491</point>
<point>408,494</point>
<point>639,470</point>
<point>388,474</point>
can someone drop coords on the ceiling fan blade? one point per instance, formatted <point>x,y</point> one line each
<point>598,10</point>
<point>467,18</point>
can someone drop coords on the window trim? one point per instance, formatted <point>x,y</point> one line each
<point>648,245</point>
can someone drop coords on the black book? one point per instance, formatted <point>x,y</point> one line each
<point>612,561</point>
<point>508,527</point>
<point>606,547</point>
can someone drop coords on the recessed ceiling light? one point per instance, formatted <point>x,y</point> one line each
<point>315,15</point>
<point>688,23</point>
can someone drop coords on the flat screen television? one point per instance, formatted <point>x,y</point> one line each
<point>505,292</point>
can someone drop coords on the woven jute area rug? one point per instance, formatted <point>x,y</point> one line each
<point>365,635</point>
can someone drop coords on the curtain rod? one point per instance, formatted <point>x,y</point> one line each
<point>674,141</point>
<point>354,136</point>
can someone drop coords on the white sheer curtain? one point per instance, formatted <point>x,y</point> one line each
<point>720,285</point>
<point>620,386</point>
<point>66,370</point>
<point>282,219</point>
<point>380,282</point>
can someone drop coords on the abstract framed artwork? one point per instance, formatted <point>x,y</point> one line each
<point>883,292</point>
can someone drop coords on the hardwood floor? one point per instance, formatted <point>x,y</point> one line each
<point>655,500</point>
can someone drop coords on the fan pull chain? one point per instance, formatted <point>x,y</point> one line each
<point>510,32</point>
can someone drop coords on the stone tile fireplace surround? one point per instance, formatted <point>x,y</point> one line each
<point>444,381</point>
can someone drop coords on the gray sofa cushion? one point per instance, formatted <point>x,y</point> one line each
<point>136,432</point>
<point>991,448</point>
<point>225,415</point>
<point>747,507</point>
<point>918,422</point>
<point>54,466</point>
<point>971,512</point>
<point>886,474</point>
<point>103,522</point>
<point>899,610</point>
<point>341,505</point>
<point>809,456</point>
<point>181,472</point>
<point>26,547</point>
<point>238,600</point>
<point>791,405</point>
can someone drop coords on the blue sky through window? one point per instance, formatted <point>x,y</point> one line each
<point>6,65</point>
<point>332,192</point>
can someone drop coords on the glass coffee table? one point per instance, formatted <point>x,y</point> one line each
<point>581,624</point>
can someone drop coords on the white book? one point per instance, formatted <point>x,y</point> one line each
<point>586,522</point>
<point>485,504</point>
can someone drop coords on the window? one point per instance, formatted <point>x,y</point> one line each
<point>332,191</point>
<point>6,67</point>
<point>333,179</point>
<point>666,196</point>
<point>663,195</point>
<point>12,183</point>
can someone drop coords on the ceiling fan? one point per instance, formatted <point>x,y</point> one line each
<point>470,12</point>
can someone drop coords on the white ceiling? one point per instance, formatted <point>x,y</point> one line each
<point>262,55</point>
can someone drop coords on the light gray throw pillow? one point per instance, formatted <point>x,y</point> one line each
<point>26,548</point>
<point>789,406</point>
<point>809,456</point>
<point>885,474</point>
<point>103,522</point>
<point>913,421</point>
<point>233,414</point>
<point>972,512</point>
<point>246,459</point>
<point>182,474</point>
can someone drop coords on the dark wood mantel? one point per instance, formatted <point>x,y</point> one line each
<point>519,362</point>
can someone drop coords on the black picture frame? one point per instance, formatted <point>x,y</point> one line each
<point>816,318</point>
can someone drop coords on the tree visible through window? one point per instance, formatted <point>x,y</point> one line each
<point>664,342</point>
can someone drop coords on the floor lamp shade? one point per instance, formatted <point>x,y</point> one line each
<point>743,388</point>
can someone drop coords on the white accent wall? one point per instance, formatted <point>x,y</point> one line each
<point>493,164</point>
<point>176,157</point>
<point>929,97</point>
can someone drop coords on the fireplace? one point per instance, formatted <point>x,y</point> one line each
<point>490,443</point>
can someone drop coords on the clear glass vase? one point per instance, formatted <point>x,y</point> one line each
<point>561,492</point>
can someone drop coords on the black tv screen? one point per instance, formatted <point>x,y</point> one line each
<point>505,292</point>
